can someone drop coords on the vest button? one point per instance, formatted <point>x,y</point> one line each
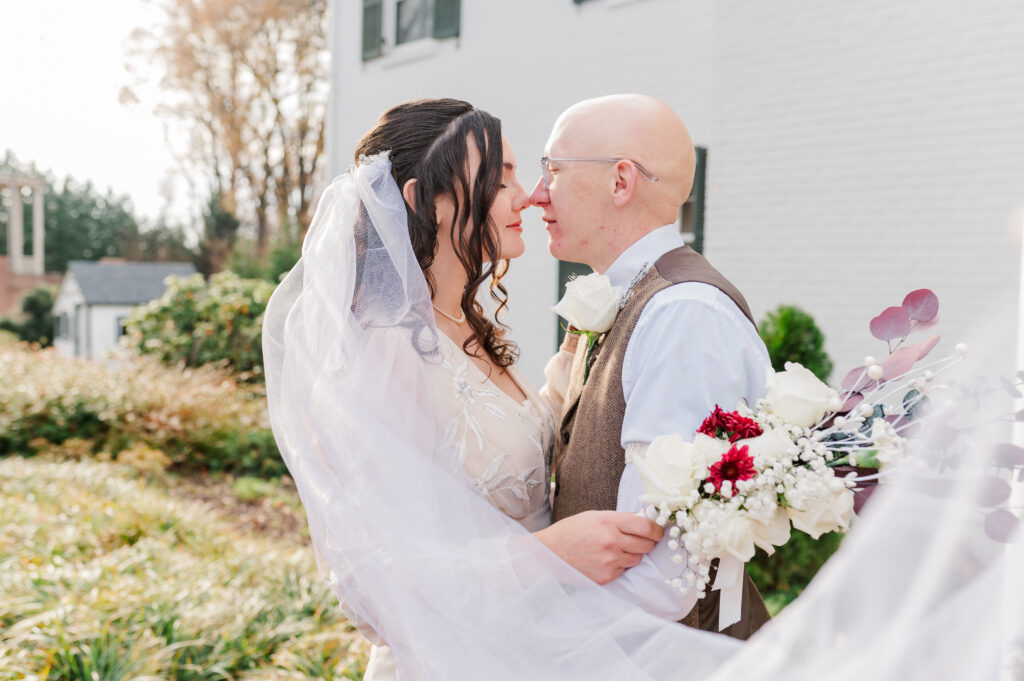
<point>565,438</point>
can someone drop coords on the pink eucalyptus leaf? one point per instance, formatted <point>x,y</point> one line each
<point>1008,455</point>
<point>992,491</point>
<point>904,359</point>
<point>1001,525</point>
<point>921,305</point>
<point>924,347</point>
<point>894,322</point>
<point>856,380</point>
<point>852,401</point>
<point>899,363</point>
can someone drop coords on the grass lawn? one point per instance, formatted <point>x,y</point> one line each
<point>107,574</point>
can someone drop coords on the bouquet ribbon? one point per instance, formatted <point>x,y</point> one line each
<point>729,581</point>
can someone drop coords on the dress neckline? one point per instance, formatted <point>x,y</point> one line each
<point>525,404</point>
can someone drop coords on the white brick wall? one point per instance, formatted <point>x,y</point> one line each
<point>856,150</point>
<point>861,150</point>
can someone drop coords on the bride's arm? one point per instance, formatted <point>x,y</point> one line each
<point>601,544</point>
<point>556,374</point>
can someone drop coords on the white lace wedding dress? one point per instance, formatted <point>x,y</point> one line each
<point>505,447</point>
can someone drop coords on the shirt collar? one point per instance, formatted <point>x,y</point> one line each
<point>644,252</point>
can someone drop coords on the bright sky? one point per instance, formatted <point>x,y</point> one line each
<point>63,67</point>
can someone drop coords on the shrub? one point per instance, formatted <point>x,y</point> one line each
<point>37,325</point>
<point>792,336</point>
<point>197,323</point>
<point>201,419</point>
<point>783,575</point>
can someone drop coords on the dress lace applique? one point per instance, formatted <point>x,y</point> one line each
<point>504,445</point>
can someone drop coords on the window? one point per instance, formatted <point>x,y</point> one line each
<point>60,324</point>
<point>121,330</point>
<point>394,22</point>
<point>415,20</point>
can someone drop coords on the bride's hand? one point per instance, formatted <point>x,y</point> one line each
<point>601,544</point>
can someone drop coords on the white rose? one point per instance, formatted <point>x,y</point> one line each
<point>670,469</point>
<point>772,445</point>
<point>772,533</point>
<point>590,303</point>
<point>736,534</point>
<point>798,397</point>
<point>711,448</point>
<point>819,515</point>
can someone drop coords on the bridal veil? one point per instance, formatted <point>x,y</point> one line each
<point>421,561</point>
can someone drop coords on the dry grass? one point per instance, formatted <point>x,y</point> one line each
<point>107,573</point>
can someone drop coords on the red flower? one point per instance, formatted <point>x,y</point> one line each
<point>729,424</point>
<point>735,465</point>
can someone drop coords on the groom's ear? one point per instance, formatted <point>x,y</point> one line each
<point>623,183</point>
<point>409,192</point>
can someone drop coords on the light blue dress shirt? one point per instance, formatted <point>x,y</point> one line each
<point>692,348</point>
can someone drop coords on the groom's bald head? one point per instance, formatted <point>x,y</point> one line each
<point>638,127</point>
<point>595,213</point>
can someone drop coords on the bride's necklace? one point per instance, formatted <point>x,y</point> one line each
<point>461,319</point>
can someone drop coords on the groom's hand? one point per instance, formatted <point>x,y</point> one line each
<point>601,544</point>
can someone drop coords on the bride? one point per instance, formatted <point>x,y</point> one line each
<point>463,201</point>
<point>421,455</point>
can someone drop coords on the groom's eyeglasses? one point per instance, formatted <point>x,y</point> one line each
<point>545,171</point>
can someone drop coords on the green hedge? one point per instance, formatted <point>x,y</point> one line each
<point>792,336</point>
<point>198,322</point>
<point>201,418</point>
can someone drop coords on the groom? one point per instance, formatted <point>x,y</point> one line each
<point>615,172</point>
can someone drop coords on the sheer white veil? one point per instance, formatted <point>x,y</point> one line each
<point>361,410</point>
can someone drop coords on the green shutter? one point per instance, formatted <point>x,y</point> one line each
<point>698,199</point>
<point>566,270</point>
<point>373,27</point>
<point>446,18</point>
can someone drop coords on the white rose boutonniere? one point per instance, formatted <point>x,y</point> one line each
<point>590,304</point>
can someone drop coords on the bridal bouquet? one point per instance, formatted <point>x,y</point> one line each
<point>751,475</point>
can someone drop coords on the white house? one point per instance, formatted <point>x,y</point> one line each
<point>96,297</point>
<point>853,151</point>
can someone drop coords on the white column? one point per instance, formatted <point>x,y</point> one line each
<point>38,231</point>
<point>16,231</point>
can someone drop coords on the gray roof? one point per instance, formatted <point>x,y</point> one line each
<point>124,283</point>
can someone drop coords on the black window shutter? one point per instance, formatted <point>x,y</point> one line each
<point>446,18</point>
<point>698,198</point>
<point>373,21</point>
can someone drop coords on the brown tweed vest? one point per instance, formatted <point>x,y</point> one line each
<point>589,458</point>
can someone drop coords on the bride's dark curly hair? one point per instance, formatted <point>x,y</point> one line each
<point>429,141</point>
